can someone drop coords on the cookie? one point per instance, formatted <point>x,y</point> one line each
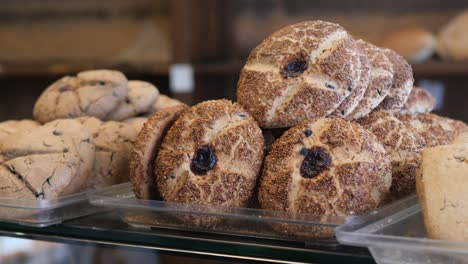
<point>436,130</point>
<point>301,71</point>
<point>352,101</point>
<point>402,83</point>
<point>91,93</point>
<point>419,101</point>
<point>54,161</point>
<point>136,122</point>
<point>381,76</point>
<point>326,166</point>
<point>146,149</point>
<point>404,146</point>
<point>113,143</point>
<point>164,101</point>
<point>461,138</point>
<point>12,126</point>
<point>211,155</point>
<point>140,99</point>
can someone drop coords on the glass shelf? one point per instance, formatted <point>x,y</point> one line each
<point>107,229</point>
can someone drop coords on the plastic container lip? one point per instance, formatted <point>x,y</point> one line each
<point>40,204</point>
<point>364,231</point>
<point>121,196</point>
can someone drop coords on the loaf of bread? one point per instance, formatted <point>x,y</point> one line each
<point>442,183</point>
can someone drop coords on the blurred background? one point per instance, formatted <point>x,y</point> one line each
<point>194,50</point>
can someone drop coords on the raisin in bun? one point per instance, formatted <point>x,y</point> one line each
<point>90,93</point>
<point>301,71</point>
<point>145,150</point>
<point>211,155</point>
<point>326,166</point>
<point>403,144</point>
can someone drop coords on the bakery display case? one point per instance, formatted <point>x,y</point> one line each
<point>243,131</point>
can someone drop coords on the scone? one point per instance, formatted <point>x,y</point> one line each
<point>301,71</point>
<point>404,146</point>
<point>164,101</point>
<point>453,39</point>
<point>441,184</point>
<point>136,122</point>
<point>414,44</point>
<point>419,101</point>
<point>353,100</point>
<point>211,155</point>
<point>381,76</point>
<point>402,83</point>
<point>436,130</point>
<point>461,139</point>
<point>91,93</point>
<point>55,160</point>
<point>12,126</point>
<point>113,142</point>
<point>324,167</point>
<point>145,150</point>
<point>139,100</point>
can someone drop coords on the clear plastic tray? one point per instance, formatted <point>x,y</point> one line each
<point>41,213</point>
<point>396,234</point>
<point>216,219</point>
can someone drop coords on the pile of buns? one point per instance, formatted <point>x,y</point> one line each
<point>334,122</point>
<point>81,137</point>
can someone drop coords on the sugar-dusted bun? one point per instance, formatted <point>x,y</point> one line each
<point>146,148</point>
<point>402,83</point>
<point>419,101</point>
<point>211,155</point>
<point>404,146</point>
<point>327,166</point>
<point>301,71</point>
<point>381,76</point>
<point>436,130</point>
<point>414,44</point>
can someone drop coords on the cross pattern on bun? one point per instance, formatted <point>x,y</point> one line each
<point>436,130</point>
<point>326,166</point>
<point>55,160</point>
<point>403,144</point>
<point>381,76</point>
<point>301,71</point>
<point>419,101</point>
<point>90,93</point>
<point>211,155</point>
<point>147,143</point>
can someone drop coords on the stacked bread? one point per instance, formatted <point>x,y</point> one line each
<point>81,137</point>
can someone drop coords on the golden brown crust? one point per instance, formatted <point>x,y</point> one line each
<point>436,130</point>
<point>146,148</point>
<point>402,143</point>
<point>331,73</point>
<point>414,44</point>
<point>357,180</point>
<point>237,142</point>
<point>419,101</point>
<point>402,83</point>
<point>381,77</point>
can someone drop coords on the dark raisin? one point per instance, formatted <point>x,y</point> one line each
<point>294,68</point>
<point>304,152</point>
<point>342,112</point>
<point>329,86</point>
<point>308,132</point>
<point>56,133</point>
<point>102,83</point>
<point>379,92</point>
<point>315,162</point>
<point>65,150</point>
<point>172,176</point>
<point>243,115</point>
<point>127,100</point>
<point>350,88</point>
<point>87,140</point>
<point>203,161</point>
<point>40,195</point>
